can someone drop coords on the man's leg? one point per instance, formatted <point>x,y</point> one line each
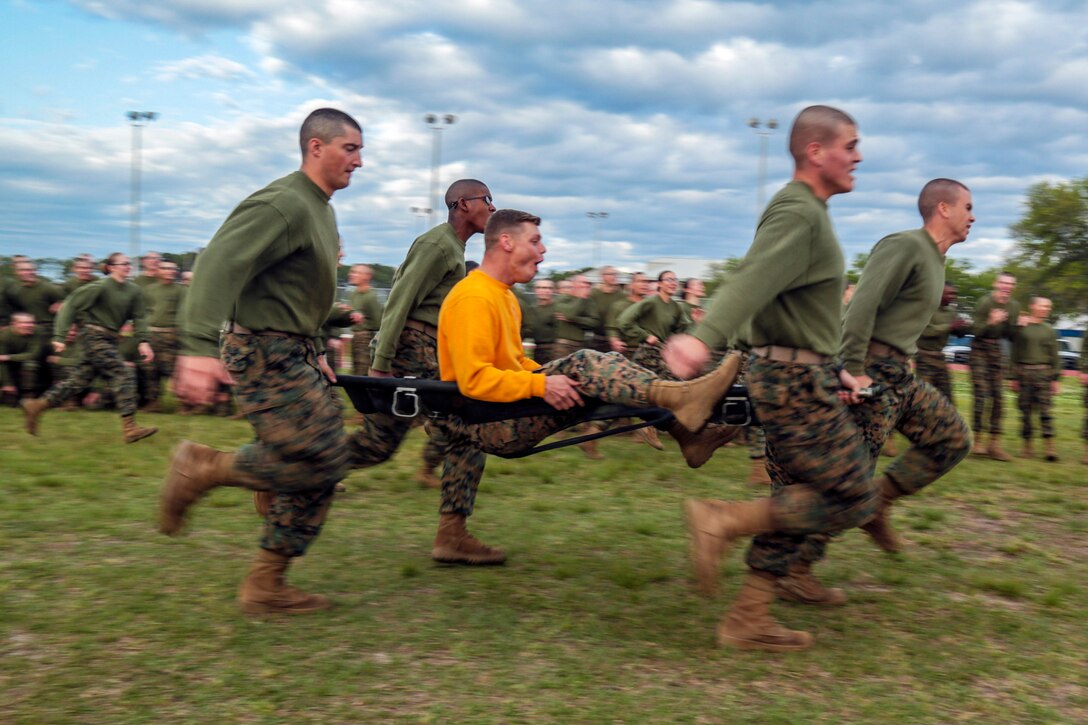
<point>820,466</point>
<point>996,379</point>
<point>939,438</point>
<point>977,364</point>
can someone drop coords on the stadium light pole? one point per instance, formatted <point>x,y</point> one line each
<point>138,120</point>
<point>763,129</point>
<point>596,217</point>
<point>437,123</point>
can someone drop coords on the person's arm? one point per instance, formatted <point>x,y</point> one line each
<point>140,319</point>
<point>472,351</point>
<point>1055,358</point>
<point>585,314</point>
<point>630,319</point>
<point>421,271</point>
<point>31,353</point>
<point>778,258</point>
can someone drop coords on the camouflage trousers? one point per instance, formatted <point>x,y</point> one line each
<point>165,346</point>
<point>817,459</point>
<point>938,435</point>
<point>360,352</point>
<point>380,434</point>
<point>99,358</point>
<point>756,438</point>
<point>931,367</point>
<point>300,450</point>
<point>1085,433</point>
<point>987,377</point>
<point>608,376</point>
<point>1034,397</point>
<point>649,357</point>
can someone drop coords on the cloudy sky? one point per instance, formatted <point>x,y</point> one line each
<point>631,107</point>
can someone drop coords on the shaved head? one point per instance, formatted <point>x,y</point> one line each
<point>463,188</point>
<point>936,191</point>
<point>819,124</point>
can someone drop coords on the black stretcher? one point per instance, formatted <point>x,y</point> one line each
<point>411,397</point>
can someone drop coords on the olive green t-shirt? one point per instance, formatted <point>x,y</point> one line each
<point>1036,344</point>
<point>653,316</point>
<point>434,264</point>
<point>1001,329</point>
<point>163,302</point>
<point>106,303</point>
<point>271,266</point>
<point>367,303</point>
<point>900,287</point>
<point>935,336</point>
<point>789,285</point>
<point>581,314</point>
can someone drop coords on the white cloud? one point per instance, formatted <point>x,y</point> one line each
<point>211,66</point>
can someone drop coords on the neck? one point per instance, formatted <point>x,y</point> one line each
<point>941,237</point>
<point>461,227</point>
<point>312,176</point>
<point>362,287</point>
<point>811,178</point>
<point>665,296</point>
<point>496,270</point>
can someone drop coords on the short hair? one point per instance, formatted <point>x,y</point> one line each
<point>937,191</point>
<point>325,124</point>
<point>110,260</point>
<point>460,188</point>
<point>503,221</point>
<point>660,276</point>
<point>816,123</point>
<point>24,316</point>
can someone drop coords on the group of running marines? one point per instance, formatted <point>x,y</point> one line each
<point>264,284</point>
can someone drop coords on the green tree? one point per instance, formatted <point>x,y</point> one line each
<point>1051,254</point>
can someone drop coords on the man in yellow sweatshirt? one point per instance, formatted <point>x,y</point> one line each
<point>480,348</point>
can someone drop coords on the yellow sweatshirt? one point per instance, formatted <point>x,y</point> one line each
<point>479,342</point>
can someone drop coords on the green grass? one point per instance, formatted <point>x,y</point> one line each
<point>594,618</point>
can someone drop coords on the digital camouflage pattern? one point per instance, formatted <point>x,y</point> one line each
<point>300,451</point>
<point>165,346</point>
<point>608,376</point>
<point>987,377</point>
<point>1034,397</point>
<point>100,358</point>
<point>938,435</point>
<point>360,352</point>
<point>817,459</point>
<point>931,367</point>
<point>380,434</point>
<point>757,439</point>
<point>649,357</point>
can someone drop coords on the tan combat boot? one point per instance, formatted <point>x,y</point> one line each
<point>425,477</point>
<point>697,448</point>
<point>979,449</point>
<point>1051,452</point>
<point>802,587</point>
<point>879,528</point>
<point>758,474</point>
<point>453,544</point>
<point>194,470</point>
<point>694,401</point>
<point>749,625</point>
<point>995,452</point>
<point>648,435</point>
<point>133,432</point>
<point>32,410</point>
<point>714,525</point>
<point>591,451</point>
<point>264,591</point>
<point>1027,450</point>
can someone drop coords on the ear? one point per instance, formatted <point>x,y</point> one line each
<point>507,242</point>
<point>814,152</point>
<point>314,147</point>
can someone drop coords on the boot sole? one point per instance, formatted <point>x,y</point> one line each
<point>735,643</point>
<point>452,557</point>
<point>254,609</point>
<point>133,439</point>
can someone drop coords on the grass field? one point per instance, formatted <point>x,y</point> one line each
<point>594,618</point>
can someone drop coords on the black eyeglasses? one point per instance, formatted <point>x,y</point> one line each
<point>485,197</point>
<point>121,264</point>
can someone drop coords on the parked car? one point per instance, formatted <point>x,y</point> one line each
<point>1069,357</point>
<point>958,349</point>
